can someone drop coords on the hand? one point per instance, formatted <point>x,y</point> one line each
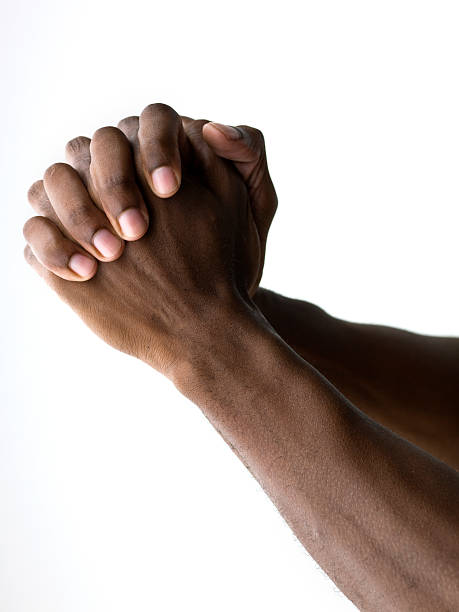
<point>161,152</point>
<point>164,294</point>
<point>163,144</point>
<point>245,147</point>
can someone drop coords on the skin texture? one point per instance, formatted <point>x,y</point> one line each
<point>379,513</point>
<point>405,381</point>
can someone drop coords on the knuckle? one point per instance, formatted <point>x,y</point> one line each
<point>52,254</point>
<point>160,109</point>
<point>57,171</point>
<point>31,226</point>
<point>199,123</point>
<point>79,216</point>
<point>128,121</point>
<point>129,125</point>
<point>114,182</point>
<point>36,191</point>
<point>194,127</point>
<point>161,145</point>
<point>78,146</point>
<point>108,131</point>
<point>51,250</point>
<point>256,137</point>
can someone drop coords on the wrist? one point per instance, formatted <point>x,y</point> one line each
<point>253,388</point>
<point>235,342</point>
<point>192,333</point>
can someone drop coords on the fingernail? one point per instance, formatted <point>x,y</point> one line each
<point>132,223</point>
<point>82,265</point>
<point>164,180</point>
<point>106,243</point>
<point>228,131</point>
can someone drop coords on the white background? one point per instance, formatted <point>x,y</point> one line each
<point>115,492</point>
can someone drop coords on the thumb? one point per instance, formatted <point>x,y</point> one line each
<point>245,147</point>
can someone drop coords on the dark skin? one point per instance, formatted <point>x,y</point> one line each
<point>378,513</point>
<point>405,381</point>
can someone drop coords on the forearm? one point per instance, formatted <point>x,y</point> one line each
<point>405,381</point>
<point>378,514</point>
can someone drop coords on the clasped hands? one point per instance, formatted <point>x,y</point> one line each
<point>153,228</point>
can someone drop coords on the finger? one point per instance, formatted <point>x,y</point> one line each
<point>78,155</point>
<point>193,131</point>
<point>54,281</point>
<point>245,146</point>
<point>202,157</point>
<point>57,253</point>
<point>113,175</point>
<point>235,143</point>
<point>82,220</point>
<point>161,136</point>
<point>38,199</point>
<point>130,128</point>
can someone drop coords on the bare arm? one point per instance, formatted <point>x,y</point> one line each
<point>380,515</point>
<point>405,381</point>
